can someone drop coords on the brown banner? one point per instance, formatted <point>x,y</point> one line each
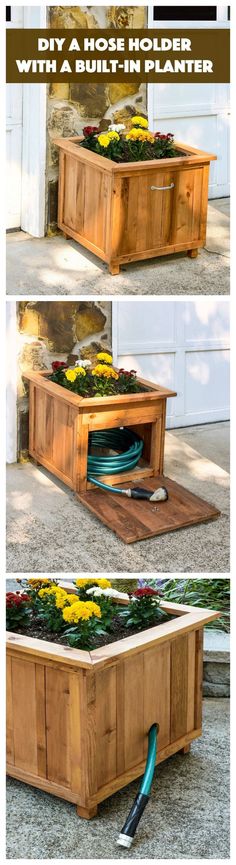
<point>151,56</point>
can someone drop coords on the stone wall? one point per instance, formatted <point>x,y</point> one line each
<point>56,330</point>
<point>73,106</point>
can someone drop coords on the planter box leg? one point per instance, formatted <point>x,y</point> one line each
<point>86,813</point>
<point>114,269</point>
<point>186,749</point>
<point>193,253</point>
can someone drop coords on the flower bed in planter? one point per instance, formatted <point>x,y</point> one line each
<point>77,721</point>
<point>129,211</point>
<point>60,422</point>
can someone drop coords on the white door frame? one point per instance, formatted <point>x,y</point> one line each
<point>33,193</point>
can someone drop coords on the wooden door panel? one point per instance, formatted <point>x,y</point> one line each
<point>146,212</point>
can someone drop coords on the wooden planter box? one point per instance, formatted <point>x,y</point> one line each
<point>77,722</point>
<point>59,426</point>
<point>132,211</point>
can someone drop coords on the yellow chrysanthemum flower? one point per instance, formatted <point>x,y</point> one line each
<point>105,371</point>
<point>102,582</point>
<point>72,599</point>
<point>70,374</point>
<point>113,135</point>
<point>139,121</point>
<point>81,582</point>
<point>79,370</point>
<point>140,135</point>
<point>104,139</point>
<point>81,611</point>
<point>61,597</point>
<point>39,583</point>
<point>103,355</point>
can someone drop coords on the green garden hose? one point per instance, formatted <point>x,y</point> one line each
<point>128,832</point>
<point>128,447</point>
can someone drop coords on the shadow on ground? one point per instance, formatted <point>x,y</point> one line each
<point>54,265</point>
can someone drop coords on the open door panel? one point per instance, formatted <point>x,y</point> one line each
<point>133,519</point>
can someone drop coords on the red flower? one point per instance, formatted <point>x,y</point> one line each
<point>146,592</point>
<point>90,130</point>
<point>13,599</point>
<point>127,372</point>
<point>58,364</point>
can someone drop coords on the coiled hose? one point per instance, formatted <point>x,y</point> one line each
<point>129,447</point>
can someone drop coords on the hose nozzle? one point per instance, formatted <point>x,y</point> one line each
<point>159,495</point>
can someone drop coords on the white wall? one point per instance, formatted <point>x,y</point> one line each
<point>184,345</point>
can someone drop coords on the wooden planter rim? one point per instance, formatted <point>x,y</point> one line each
<point>191,156</point>
<point>40,378</point>
<point>188,619</point>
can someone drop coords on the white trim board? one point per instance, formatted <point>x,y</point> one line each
<point>11,383</point>
<point>34,142</point>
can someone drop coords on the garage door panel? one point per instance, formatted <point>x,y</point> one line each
<point>198,114</point>
<point>183,345</point>
<point>205,321</point>
<point>207,381</point>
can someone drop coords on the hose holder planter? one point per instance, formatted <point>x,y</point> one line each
<point>135,210</point>
<point>62,427</point>
<point>78,721</point>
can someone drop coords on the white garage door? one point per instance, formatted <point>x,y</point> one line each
<point>197,114</point>
<point>183,345</point>
<point>14,106</point>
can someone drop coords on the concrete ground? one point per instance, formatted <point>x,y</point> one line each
<point>187,816</point>
<point>50,531</point>
<point>54,265</point>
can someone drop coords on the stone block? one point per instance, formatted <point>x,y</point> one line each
<point>121,17</point>
<point>89,352</point>
<point>89,320</point>
<point>92,99</point>
<point>59,91</point>
<point>120,91</point>
<point>211,689</point>
<point>66,17</point>
<point>218,673</point>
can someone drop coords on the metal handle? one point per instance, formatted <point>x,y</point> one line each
<point>162,187</point>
